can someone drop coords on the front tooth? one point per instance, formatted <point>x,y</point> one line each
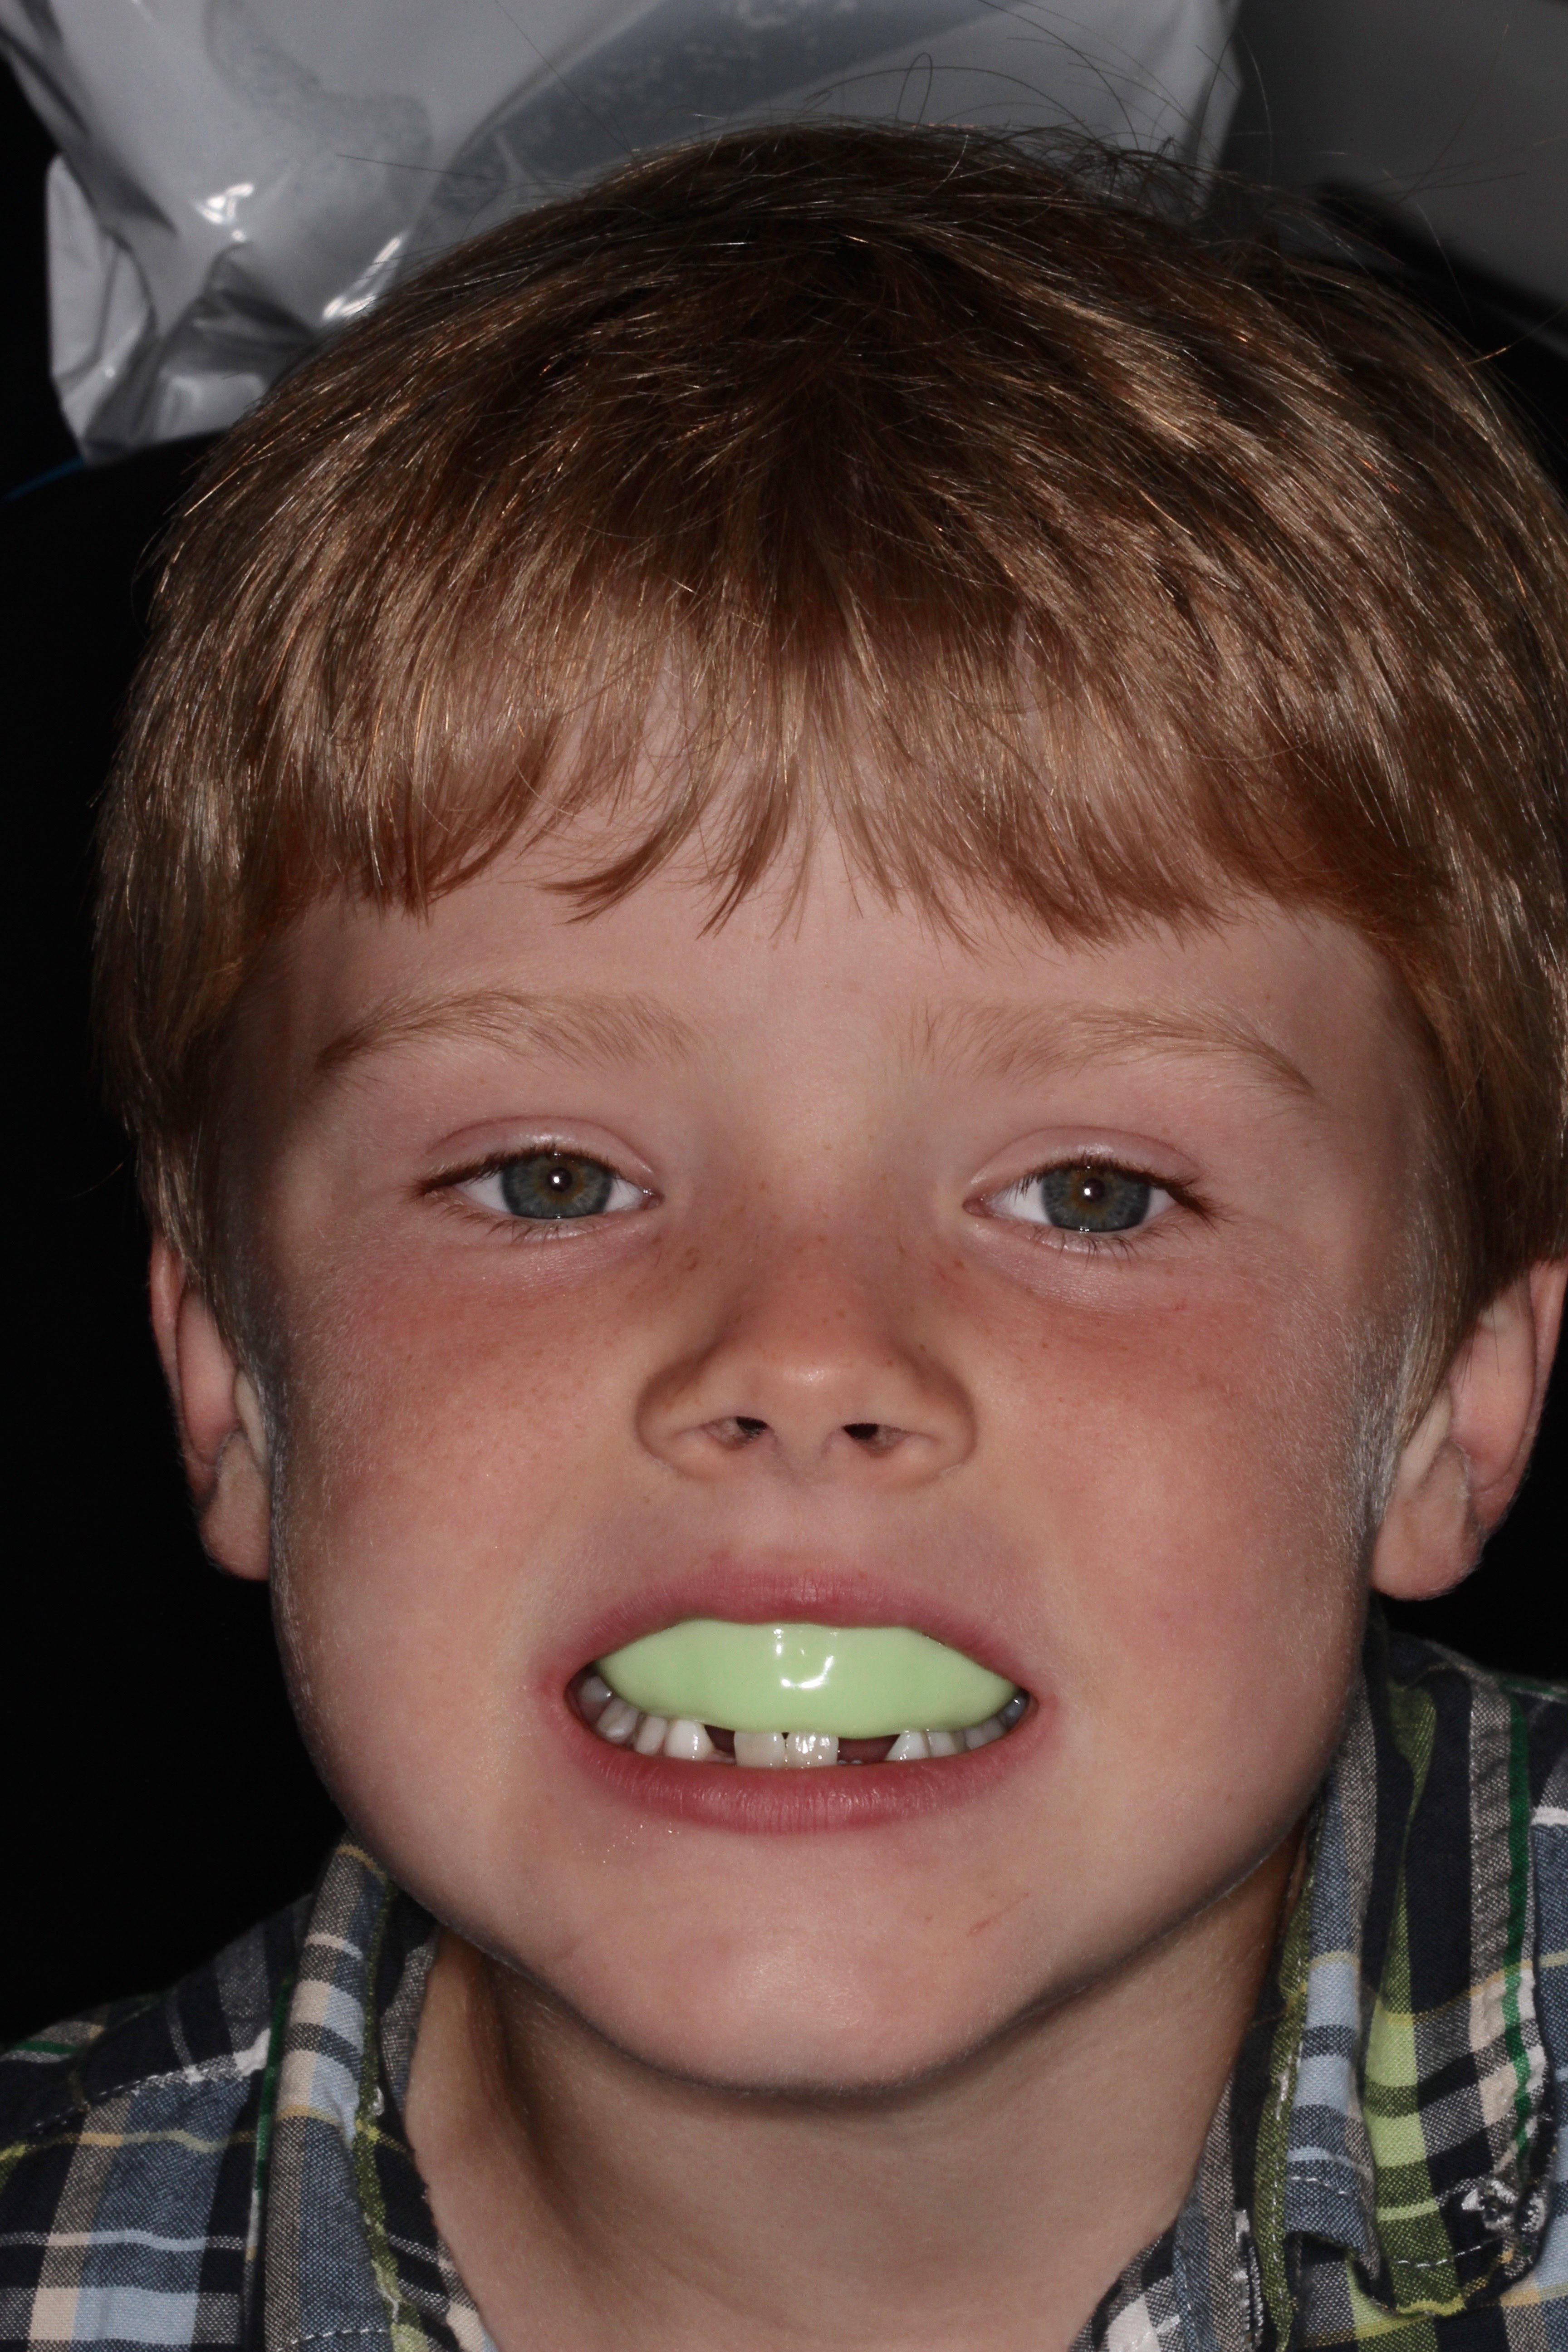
<point>980,1735</point>
<point>618,1721</point>
<point>908,1748</point>
<point>650,1734</point>
<point>944,1743</point>
<point>688,1742</point>
<point>804,1747</point>
<point>765,1748</point>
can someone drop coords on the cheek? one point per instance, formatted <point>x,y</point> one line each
<point>436,1443</point>
<point>1195,1489</point>
<point>418,1390</point>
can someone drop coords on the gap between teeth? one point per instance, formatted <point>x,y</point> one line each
<point>624,1725</point>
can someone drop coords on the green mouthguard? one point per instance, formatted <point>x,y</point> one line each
<point>860,1681</point>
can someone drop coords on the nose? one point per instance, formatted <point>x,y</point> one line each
<point>807,1378</point>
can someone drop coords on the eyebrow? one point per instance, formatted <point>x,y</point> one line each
<point>1014,1044</point>
<point>1019,1043</point>
<point>570,1028</point>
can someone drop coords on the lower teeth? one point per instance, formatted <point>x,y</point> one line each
<point>620,1724</point>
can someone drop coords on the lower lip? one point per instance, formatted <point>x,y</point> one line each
<point>785,1803</point>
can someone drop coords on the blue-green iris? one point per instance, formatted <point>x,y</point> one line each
<point>550,1184</point>
<point>1090,1198</point>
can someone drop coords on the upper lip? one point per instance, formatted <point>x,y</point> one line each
<point>774,1591</point>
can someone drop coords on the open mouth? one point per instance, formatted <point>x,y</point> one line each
<point>780,1697</point>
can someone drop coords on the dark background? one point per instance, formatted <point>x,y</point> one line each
<point>160,1799</point>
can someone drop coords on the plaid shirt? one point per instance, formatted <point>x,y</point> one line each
<point>227,2165</point>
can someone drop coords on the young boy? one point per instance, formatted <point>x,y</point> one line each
<point>834,925</point>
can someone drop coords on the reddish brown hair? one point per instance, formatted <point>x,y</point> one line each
<point>974,506</point>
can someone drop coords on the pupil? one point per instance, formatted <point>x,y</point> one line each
<point>1094,1200</point>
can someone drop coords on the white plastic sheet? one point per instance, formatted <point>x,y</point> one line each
<point>240,179</point>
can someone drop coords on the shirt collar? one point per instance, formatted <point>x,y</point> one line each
<point>350,2247</point>
<point>1408,2116</point>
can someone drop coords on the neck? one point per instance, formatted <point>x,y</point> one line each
<point>995,2201</point>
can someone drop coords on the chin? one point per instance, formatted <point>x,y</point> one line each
<point>787,2025</point>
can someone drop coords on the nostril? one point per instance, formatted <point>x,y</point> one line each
<point>746,1427</point>
<point>864,1432</point>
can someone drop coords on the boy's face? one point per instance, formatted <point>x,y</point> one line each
<point>1130,1472</point>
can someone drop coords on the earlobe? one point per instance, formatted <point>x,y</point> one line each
<point>223,1431</point>
<point>1430,1537</point>
<point>1459,1471</point>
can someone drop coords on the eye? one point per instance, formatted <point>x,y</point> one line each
<point>1084,1197</point>
<point>548,1187</point>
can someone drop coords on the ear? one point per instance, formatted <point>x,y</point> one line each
<point>223,1434</point>
<point>1460,1471</point>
